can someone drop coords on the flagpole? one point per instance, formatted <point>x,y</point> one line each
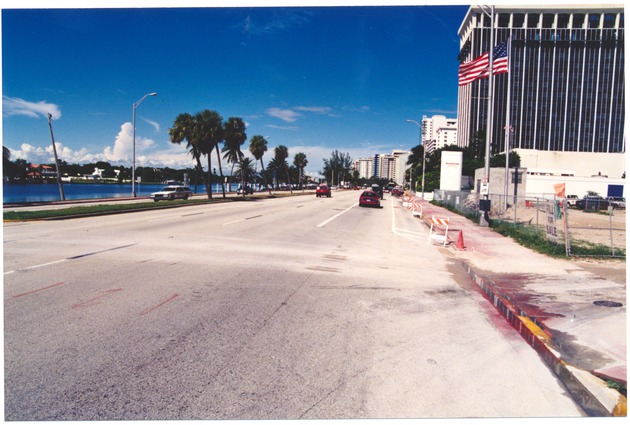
<point>508,127</point>
<point>482,219</point>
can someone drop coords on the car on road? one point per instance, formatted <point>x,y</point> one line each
<point>323,190</point>
<point>378,189</point>
<point>592,202</point>
<point>618,202</point>
<point>369,198</point>
<point>248,190</point>
<point>397,191</point>
<point>170,193</point>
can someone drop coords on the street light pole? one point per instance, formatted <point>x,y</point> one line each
<point>424,156</point>
<point>63,196</point>
<point>133,168</point>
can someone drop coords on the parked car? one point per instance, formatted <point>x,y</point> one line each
<point>617,202</point>
<point>170,193</point>
<point>572,199</point>
<point>369,198</point>
<point>323,190</point>
<point>592,202</point>
<point>248,190</point>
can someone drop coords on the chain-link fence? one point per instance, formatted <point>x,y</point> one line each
<point>598,231</point>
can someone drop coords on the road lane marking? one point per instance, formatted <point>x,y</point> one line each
<point>46,264</point>
<point>235,221</point>
<point>242,219</point>
<point>323,223</point>
<point>100,252</point>
<point>76,257</point>
<point>37,290</point>
<point>90,302</point>
<point>159,305</point>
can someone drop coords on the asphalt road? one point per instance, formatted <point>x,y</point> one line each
<point>288,308</point>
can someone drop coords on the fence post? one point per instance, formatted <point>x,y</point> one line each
<point>515,207</point>
<point>610,225</point>
<point>567,236</point>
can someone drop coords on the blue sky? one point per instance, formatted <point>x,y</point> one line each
<point>314,79</point>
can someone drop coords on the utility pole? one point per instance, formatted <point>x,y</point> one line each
<point>63,197</point>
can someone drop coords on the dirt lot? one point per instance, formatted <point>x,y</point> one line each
<point>593,227</point>
<point>612,269</point>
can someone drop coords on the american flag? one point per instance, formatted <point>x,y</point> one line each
<point>429,146</point>
<point>478,68</point>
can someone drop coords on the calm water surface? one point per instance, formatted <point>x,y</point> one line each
<point>50,192</point>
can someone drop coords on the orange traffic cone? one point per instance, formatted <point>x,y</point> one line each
<point>460,240</point>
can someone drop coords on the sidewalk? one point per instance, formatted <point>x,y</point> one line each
<point>575,319</point>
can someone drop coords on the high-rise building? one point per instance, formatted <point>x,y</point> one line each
<point>439,129</point>
<point>384,166</point>
<point>561,103</point>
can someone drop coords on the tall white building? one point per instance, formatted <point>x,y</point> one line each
<point>440,129</point>
<point>365,167</point>
<point>384,166</point>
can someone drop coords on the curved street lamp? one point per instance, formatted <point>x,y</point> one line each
<point>424,157</point>
<point>133,168</point>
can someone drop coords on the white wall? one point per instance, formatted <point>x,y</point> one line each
<point>451,170</point>
<point>585,164</point>
<point>538,185</point>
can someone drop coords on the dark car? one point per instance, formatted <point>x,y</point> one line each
<point>592,202</point>
<point>170,193</point>
<point>323,190</point>
<point>248,190</point>
<point>369,198</point>
<point>378,189</point>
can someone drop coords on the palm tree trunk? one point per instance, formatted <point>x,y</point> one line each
<point>289,180</point>
<point>243,181</point>
<point>220,171</point>
<point>264,175</point>
<point>208,180</point>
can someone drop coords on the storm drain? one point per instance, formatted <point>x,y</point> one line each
<point>607,303</point>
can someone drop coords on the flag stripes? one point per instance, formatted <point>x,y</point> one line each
<point>478,68</point>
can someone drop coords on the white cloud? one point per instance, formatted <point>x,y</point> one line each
<point>153,123</point>
<point>16,106</point>
<point>123,145</point>
<point>281,127</point>
<point>287,115</point>
<point>315,109</point>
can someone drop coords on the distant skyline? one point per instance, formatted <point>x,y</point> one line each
<point>314,79</point>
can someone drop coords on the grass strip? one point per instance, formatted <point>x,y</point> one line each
<point>76,211</point>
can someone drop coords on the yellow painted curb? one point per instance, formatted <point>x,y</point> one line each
<point>535,329</point>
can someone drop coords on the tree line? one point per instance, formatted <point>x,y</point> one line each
<point>205,134</point>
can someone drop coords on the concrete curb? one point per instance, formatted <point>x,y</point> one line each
<point>590,392</point>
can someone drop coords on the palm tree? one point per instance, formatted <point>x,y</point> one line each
<point>258,147</point>
<point>300,162</point>
<point>245,168</point>
<point>209,131</point>
<point>282,153</point>
<point>184,129</point>
<point>234,136</point>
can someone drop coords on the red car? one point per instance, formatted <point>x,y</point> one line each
<point>369,198</point>
<point>323,190</point>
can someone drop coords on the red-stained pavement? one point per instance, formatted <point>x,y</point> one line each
<point>575,319</point>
